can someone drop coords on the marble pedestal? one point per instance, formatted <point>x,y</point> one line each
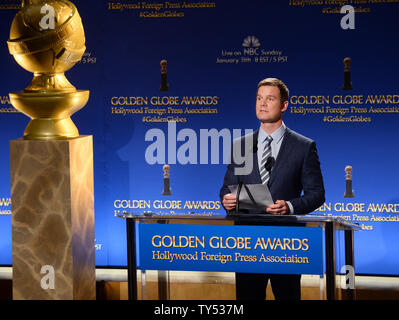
<point>52,196</point>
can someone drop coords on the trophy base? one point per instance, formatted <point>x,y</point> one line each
<point>347,87</point>
<point>50,113</point>
<point>166,187</point>
<point>52,219</point>
<point>347,81</point>
<point>349,195</point>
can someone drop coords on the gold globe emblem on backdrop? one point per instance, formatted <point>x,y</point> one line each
<point>48,50</point>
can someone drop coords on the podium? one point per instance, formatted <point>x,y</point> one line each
<point>319,235</point>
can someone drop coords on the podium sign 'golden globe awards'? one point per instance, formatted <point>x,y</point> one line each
<point>47,38</point>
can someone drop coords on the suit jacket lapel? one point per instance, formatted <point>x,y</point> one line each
<point>284,152</point>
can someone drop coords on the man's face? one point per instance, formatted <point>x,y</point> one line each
<point>269,108</point>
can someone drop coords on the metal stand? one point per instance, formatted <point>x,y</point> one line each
<point>350,261</point>
<point>330,261</point>
<point>131,259</point>
<point>330,226</point>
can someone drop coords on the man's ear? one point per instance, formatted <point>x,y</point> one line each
<point>284,106</point>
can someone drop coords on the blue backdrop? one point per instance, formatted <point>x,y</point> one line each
<point>216,52</point>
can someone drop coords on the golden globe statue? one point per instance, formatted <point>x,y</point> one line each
<point>47,38</point>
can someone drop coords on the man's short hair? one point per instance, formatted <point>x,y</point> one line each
<point>284,92</point>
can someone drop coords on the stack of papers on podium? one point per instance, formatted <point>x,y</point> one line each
<point>253,196</point>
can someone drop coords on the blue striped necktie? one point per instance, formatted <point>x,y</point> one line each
<point>267,152</point>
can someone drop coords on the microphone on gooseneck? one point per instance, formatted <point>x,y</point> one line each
<point>255,145</point>
<point>270,163</point>
<point>238,195</point>
<point>240,184</point>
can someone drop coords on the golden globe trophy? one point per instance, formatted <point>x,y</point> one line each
<point>347,75</point>
<point>166,181</point>
<point>164,76</point>
<point>51,167</point>
<point>48,44</point>
<point>348,183</point>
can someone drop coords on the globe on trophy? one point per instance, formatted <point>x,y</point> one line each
<point>47,38</point>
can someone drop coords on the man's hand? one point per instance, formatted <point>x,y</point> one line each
<point>229,201</point>
<point>279,208</point>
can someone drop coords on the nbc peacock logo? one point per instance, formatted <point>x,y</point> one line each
<point>251,45</point>
<point>251,42</point>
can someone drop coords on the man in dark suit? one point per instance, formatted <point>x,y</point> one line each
<point>288,163</point>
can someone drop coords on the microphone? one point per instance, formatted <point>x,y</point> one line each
<point>241,182</point>
<point>270,163</point>
<point>255,144</point>
<point>238,195</point>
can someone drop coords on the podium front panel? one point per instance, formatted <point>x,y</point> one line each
<point>224,248</point>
